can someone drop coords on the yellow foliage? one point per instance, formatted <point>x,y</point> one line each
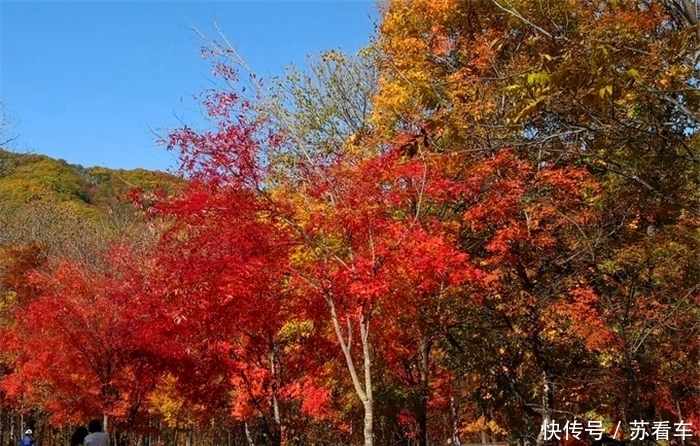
<point>481,425</point>
<point>165,402</point>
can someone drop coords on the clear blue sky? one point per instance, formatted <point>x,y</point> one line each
<point>88,79</point>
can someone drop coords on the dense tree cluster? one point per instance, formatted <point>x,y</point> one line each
<point>486,221</point>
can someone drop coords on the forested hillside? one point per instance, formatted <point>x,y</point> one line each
<point>28,178</point>
<point>482,228</point>
<point>62,206</point>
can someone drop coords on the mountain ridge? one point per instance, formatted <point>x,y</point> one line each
<point>26,178</point>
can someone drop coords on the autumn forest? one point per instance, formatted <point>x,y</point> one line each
<point>486,221</point>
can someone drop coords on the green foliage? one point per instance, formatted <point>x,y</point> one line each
<point>35,177</point>
<point>322,107</point>
<point>90,192</point>
<point>70,211</point>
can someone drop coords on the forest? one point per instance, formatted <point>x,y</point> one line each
<point>485,222</point>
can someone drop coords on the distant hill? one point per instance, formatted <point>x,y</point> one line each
<point>27,178</point>
<point>68,207</point>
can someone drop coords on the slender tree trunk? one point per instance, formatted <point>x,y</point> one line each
<point>547,404</point>
<point>369,400</point>
<point>188,437</point>
<point>455,422</point>
<point>247,434</point>
<point>363,390</point>
<point>278,434</point>
<point>680,418</point>
<point>147,440</point>
<point>422,412</point>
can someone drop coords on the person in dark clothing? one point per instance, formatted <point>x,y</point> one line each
<point>28,439</point>
<point>78,437</point>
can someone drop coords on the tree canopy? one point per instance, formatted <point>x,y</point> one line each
<point>484,223</point>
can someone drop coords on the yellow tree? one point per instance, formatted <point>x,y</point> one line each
<point>606,86</point>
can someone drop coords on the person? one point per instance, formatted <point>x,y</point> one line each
<point>28,439</point>
<point>78,437</point>
<point>96,437</point>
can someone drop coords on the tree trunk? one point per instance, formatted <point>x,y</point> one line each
<point>369,400</point>
<point>547,405</point>
<point>368,424</point>
<point>278,434</point>
<point>455,422</point>
<point>363,390</point>
<point>247,434</point>
<point>680,419</point>
<point>424,391</point>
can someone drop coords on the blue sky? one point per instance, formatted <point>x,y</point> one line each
<point>88,80</point>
